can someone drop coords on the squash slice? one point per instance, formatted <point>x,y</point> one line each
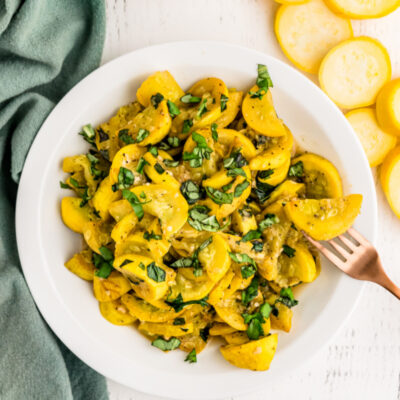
<point>111,288</point>
<point>306,32</point>
<point>81,265</point>
<point>165,330</point>
<point>73,215</point>
<point>232,108</point>
<point>353,72</point>
<point>326,218</point>
<point>255,355</point>
<point>116,313</point>
<point>360,9</point>
<point>375,141</point>
<point>390,178</point>
<point>388,107</point>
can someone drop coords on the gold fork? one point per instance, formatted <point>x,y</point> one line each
<point>358,259</point>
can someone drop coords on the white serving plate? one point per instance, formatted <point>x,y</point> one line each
<point>67,303</point>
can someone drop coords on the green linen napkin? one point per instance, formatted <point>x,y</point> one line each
<point>46,47</point>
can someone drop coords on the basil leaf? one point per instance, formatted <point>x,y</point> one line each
<point>200,152</point>
<point>173,109</point>
<point>64,185</point>
<point>201,221</point>
<point>189,99</point>
<point>247,271</point>
<point>255,329</point>
<point>102,135</point>
<point>179,321</point>
<point>191,357</point>
<point>125,178</point>
<point>241,258</point>
<point>264,80</point>
<point>124,136</point>
<point>178,304</point>
<point>159,168</point>
<point>286,297</point>
<point>205,333</point>
<point>153,151</point>
<point>289,251</point>
<point>219,197</point>
<point>155,272</point>
<point>239,189</point>
<point>202,109</point>
<point>190,191</point>
<point>224,100</point>
<point>259,94</point>
<point>265,310</point>
<point>166,345</point>
<point>103,262</point>
<point>258,246</point>
<point>156,99</point>
<point>106,253</point>
<point>134,202</point>
<point>171,163</point>
<point>265,174</point>
<point>104,271</point>
<point>236,172</point>
<point>236,160</point>
<point>183,262</point>
<point>88,133</point>
<point>269,220</point>
<point>251,235</point>
<point>142,266</point>
<point>141,135</point>
<point>126,262</point>
<point>262,191</point>
<point>85,197</point>
<point>151,236</point>
<point>187,124</point>
<point>251,292</point>
<point>297,170</point>
<point>142,162</point>
<point>172,142</point>
<point>214,132</point>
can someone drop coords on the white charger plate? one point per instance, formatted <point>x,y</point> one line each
<point>44,243</point>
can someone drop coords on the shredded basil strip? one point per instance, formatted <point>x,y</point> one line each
<point>166,345</point>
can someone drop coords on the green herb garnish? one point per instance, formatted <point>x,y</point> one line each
<point>289,251</point>
<point>166,345</point>
<point>173,109</point>
<point>125,178</point>
<point>155,272</point>
<point>156,99</point>
<point>189,99</point>
<point>134,202</point>
<point>190,191</point>
<point>124,136</point>
<point>224,100</point>
<point>202,109</point>
<point>239,189</point>
<point>297,170</point>
<point>199,153</point>
<point>141,135</point>
<point>191,357</point>
<point>151,236</point>
<point>88,133</point>
<point>214,132</point>
<point>219,197</point>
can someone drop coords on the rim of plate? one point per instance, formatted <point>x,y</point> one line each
<point>31,250</point>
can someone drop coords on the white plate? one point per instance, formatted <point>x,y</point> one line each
<point>44,243</point>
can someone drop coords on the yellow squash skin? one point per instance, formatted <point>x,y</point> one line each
<point>326,218</point>
<point>390,178</point>
<point>116,313</point>
<point>359,9</point>
<point>73,215</point>
<point>388,107</point>
<point>81,265</point>
<point>255,355</point>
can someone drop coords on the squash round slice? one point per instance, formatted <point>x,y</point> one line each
<point>103,198</point>
<point>353,72</point>
<point>260,114</point>
<point>144,311</point>
<point>73,215</point>
<point>326,218</point>
<point>230,310</point>
<point>116,313</point>
<point>285,191</point>
<point>81,265</point>
<point>306,32</point>
<point>388,107</point>
<point>96,234</point>
<point>215,258</point>
<point>227,138</point>
<point>165,330</point>
<point>255,355</point>
<point>360,9</point>
<point>271,158</point>
<point>375,141</point>
<point>390,178</point>
<point>191,289</point>
<point>232,108</point>
<point>165,203</point>
<point>127,157</point>
<point>159,82</point>
<point>111,288</point>
<point>275,176</point>
<point>320,176</point>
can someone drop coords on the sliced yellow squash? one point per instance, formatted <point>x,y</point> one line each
<point>388,107</point>
<point>111,288</point>
<point>390,179</point>
<point>73,215</point>
<point>166,330</point>
<point>232,108</point>
<point>103,198</point>
<point>116,313</point>
<point>360,9</point>
<point>81,265</point>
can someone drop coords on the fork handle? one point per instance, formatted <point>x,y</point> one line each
<point>387,283</point>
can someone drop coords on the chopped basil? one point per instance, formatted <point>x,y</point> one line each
<point>255,321</point>
<point>187,124</point>
<point>257,95</point>
<point>255,329</point>
<point>103,262</point>
<point>247,271</point>
<point>224,100</point>
<point>242,258</point>
<point>190,191</point>
<point>159,168</point>
<point>289,251</point>
<point>191,357</point>
<point>75,184</point>
<point>262,191</point>
<point>251,235</point>
<point>126,262</point>
<point>205,333</point>
<point>297,170</point>
<point>214,132</point>
<point>251,292</point>
<point>179,321</point>
<point>239,189</point>
<point>199,153</point>
<point>156,99</point>
<point>173,109</point>
<point>202,109</point>
<point>124,136</point>
<point>105,154</point>
<point>236,172</point>
<point>227,187</point>
<point>134,202</point>
<point>142,266</point>
<point>236,160</point>
<point>171,163</point>
<point>258,246</point>
<point>265,310</point>
<point>125,178</point>
<point>85,197</point>
<point>155,272</point>
<point>269,220</point>
<point>219,197</point>
<point>183,262</point>
<point>64,185</point>
<point>93,170</point>
<point>88,133</point>
<point>178,304</point>
<point>151,236</point>
<point>286,297</point>
<point>141,135</point>
<point>102,135</point>
<point>189,99</point>
<point>172,142</point>
<point>166,345</point>
<point>142,162</point>
<point>264,80</point>
<point>265,174</point>
<point>153,151</point>
<point>201,221</point>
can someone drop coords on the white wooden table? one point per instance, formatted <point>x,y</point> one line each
<point>363,360</point>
